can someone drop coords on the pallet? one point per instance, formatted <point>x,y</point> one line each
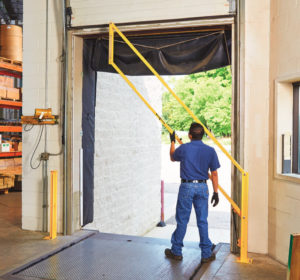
<point>11,61</point>
<point>4,191</point>
<point>9,171</point>
<point>7,99</point>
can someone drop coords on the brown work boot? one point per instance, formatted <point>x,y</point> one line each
<point>213,246</point>
<point>207,260</point>
<point>170,255</point>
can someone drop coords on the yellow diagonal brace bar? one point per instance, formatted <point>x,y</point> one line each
<point>176,97</point>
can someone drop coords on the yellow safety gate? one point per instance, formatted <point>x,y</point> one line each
<point>243,213</point>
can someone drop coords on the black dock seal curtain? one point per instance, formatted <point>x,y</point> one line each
<point>174,54</point>
<point>88,130</point>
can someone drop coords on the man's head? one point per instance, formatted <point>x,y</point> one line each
<point>196,131</point>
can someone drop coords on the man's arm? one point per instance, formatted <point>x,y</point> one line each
<point>172,147</point>
<point>215,181</point>
<point>172,150</point>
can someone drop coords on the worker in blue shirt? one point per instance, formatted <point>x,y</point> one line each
<point>196,159</point>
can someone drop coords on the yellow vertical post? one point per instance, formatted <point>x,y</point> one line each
<point>111,45</point>
<point>53,206</point>
<point>244,220</point>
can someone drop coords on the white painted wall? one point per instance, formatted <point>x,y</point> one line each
<point>95,12</point>
<point>34,30</point>
<point>127,155</point>
<point>284,191</point>
<point>256,148</point>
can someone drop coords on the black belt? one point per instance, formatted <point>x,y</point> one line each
<point>192,181</point>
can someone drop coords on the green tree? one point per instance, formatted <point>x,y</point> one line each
<point>207,94</point>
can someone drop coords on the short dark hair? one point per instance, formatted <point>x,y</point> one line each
<point>197,131</point>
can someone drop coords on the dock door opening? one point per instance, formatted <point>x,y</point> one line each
<point>216,52</point>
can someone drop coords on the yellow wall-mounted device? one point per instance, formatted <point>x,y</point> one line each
<point>41,116</point>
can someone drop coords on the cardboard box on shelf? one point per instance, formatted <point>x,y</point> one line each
<point>7,181</point>
<point>14,146</point>
<point>10,166</point>
<point>17,161</point>
<point>2,92</point>
<point>4,147</point>
<point>8,169</point>
<point>13,93</point>
<point>6,163</point>
<point>18,178</point>
<point>21,92</point>
<point>6,81</point>
<point>20,147</point>
<point>10,145</point>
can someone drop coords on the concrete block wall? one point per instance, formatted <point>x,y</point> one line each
<point>127,156</point>
<point>34,37</point>
<point>284,191</point>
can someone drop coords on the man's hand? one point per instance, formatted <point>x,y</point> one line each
<point>172,137</point>
<point>215,199</point>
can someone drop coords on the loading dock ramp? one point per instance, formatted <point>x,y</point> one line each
<point>110,257</point>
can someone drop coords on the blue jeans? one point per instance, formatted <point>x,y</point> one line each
<point>197,195</point>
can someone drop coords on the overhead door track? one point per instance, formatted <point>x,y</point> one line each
<point>243,213</point>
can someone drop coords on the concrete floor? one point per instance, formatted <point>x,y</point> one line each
<point>110,257</point>
<point>18,247</point>
<point>262,268</point>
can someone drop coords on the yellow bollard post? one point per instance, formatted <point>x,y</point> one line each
<point>53,207</point>
<point>244,221</point>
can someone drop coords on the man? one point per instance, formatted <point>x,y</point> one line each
<point>196,159</point>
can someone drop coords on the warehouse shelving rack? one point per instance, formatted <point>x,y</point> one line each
<point>10,68</point>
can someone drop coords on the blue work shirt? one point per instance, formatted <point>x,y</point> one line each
<point>196,159</point>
